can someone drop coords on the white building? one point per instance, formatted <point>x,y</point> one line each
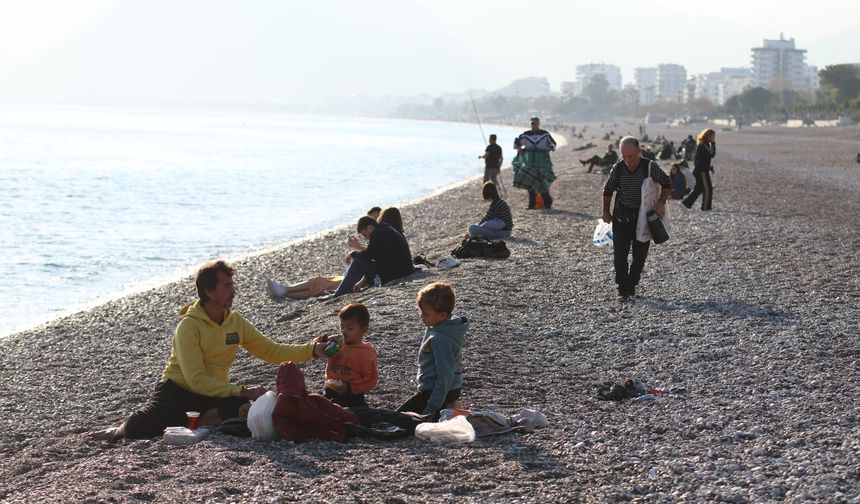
<point>671,82</point>
<point>584,74</point>
<point>779,65</point>
<point>813,81</point>
<point>646,80</point>
<point>568,88</point>
<point>720,86</point>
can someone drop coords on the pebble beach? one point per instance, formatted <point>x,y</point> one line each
<point>753,308</point>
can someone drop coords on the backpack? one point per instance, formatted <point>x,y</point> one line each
<point>481,247</point>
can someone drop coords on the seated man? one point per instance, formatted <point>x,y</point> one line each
<point>196,377</point>
<point>608,159</point>
<point>387,255</point>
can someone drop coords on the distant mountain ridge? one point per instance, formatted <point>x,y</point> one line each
<point>835,49</point>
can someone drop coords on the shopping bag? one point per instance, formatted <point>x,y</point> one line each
<point>603,235</point>
<point>458,430</point>
<point>260,417</point>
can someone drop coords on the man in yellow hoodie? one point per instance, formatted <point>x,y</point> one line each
<point>197,374</point>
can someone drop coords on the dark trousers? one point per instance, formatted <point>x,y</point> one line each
<point>703,187</point>
<point>547,199</point>
<point>418,402</point>
<point>345,400</point>
<point>624,238</point>
<point>167,407</point>
<point>358,268</point>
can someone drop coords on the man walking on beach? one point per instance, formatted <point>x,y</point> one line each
<point>387,255</point>
<point>626,179</point>
<point>492,161</point>
<point>532,165</point>
<point>196,377</point>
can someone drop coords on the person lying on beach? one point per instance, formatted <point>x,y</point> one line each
<point>387,255</point>
<point>196,377</point>
<point>440,356</point>
<point>311,287</point>
<point>352,371</point>
<point>608,159</point>
<point>498,222</point>
<point>390,216</point>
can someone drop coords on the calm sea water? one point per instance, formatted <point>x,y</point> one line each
<point>93,201</point>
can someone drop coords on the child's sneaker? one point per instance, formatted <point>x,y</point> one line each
<point>275,289</point>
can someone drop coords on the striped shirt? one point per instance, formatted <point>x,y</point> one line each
<point>629,185</point>
<point>499,209</point>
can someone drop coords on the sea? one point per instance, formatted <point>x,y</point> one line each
<point>100,202</point>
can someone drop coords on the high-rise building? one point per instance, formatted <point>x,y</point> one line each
<point>778,65</point>
<point>584,74</point>
<point>671,82</point>
<point>646,80</point>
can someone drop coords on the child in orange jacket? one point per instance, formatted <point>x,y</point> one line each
<point>352,372</point>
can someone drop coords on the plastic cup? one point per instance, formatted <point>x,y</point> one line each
<point>193,417</point>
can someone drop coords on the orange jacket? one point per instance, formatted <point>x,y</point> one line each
<point>356,365</point>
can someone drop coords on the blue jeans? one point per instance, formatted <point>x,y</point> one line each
<point>491,229</point>
<point>358,268</point>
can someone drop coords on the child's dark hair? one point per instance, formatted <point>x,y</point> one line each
<point>439,296</point>
<point>374,210</point>
<point>490,191</point>
<point>356,312</point>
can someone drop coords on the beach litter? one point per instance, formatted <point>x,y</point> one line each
<point>633,388</point>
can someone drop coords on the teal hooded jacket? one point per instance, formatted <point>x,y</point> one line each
<point>440,360</point>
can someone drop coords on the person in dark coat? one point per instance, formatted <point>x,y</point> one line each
<point>706,149</point>
<point>387,255</point>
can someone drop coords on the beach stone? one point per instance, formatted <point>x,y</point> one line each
<point>764,344</point>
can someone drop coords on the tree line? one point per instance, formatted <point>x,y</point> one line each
<point>839,95</point>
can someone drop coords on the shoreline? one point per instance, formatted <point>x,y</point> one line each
<point>754,317</point>
<point>160,280</point>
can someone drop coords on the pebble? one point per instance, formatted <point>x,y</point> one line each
<point>738,309</point>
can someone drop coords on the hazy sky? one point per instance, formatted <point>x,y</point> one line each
<point>160,51</point>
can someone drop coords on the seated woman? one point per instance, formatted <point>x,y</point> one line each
<point>313,287</point>
<point>679,182</point>
<point>498,222</point>
<point>390,216</point>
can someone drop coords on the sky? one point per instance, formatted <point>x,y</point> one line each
<point>270,51</point>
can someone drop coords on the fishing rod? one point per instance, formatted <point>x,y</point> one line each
<point>478,117</point>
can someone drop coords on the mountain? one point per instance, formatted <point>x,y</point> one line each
<point>835,49</point>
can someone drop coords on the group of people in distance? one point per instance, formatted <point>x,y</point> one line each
<point>209,334</point>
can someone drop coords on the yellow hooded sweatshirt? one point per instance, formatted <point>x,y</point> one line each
<point>203,351</point>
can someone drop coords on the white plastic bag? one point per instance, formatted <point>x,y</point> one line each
<point>603,235</point>
<point>458,430</point>
<point>260,417</point>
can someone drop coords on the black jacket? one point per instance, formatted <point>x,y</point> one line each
<point>704,153</point>
<point>390,251</point>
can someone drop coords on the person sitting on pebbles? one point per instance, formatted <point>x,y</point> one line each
<point>387,256</point>
<point>196,377</point>
<point>498,222</point>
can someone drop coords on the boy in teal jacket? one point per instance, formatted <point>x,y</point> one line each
<point>440,358</point>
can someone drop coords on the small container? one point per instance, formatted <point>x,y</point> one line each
<point>377,281</point>
<point>334,343</point>
<point>193,418</point>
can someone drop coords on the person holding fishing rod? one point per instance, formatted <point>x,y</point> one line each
<point>493,159</point>
<point>532,165</point>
